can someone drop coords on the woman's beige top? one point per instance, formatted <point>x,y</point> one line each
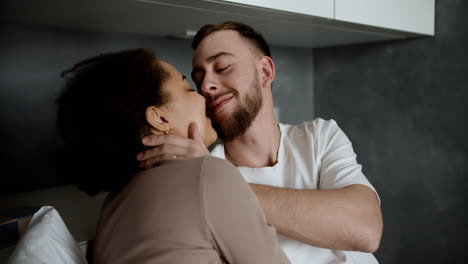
<point>197,210</point>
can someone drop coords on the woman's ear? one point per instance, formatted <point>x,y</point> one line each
<point>267,71</point>
<point>157,119</point>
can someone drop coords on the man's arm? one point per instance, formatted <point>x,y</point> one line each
<point>347,218</point>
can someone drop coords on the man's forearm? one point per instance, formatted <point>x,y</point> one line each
<point>346,219</point>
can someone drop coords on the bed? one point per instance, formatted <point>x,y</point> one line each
<point>60,232</point>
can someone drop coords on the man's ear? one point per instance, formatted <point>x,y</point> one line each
<point>267,71</point>
<point>157,119</point>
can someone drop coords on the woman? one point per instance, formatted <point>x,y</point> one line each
<point>196,210</point>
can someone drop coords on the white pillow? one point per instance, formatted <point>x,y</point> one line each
<point>47,240</point>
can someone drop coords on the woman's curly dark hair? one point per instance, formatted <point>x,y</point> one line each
<point>101,116</point>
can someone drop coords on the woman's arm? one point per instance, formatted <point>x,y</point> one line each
<point>234,218</point>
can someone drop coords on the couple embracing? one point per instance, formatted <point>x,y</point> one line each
<point>267,193</point>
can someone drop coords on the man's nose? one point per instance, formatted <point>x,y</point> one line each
<point>209,85</point>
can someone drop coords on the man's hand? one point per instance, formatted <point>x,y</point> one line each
<point>172,146</point>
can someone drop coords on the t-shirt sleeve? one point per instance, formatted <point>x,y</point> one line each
<point>234,218</point>
<point>339,167</point>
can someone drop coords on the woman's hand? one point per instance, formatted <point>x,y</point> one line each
<point>172,146</point>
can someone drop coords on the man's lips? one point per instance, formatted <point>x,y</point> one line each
<point>220,102</point>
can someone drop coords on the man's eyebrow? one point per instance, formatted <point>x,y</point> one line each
<point>211,59</point>
<point>217,55</point>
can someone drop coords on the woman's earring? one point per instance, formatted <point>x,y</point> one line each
<point>169,132</point>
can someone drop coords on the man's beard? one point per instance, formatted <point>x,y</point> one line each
<point>243,116</point>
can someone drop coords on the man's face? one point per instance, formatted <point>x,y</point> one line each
<point>225,72</point>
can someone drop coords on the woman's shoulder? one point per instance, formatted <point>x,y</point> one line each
<point>172,180</point>
<point>185,173</point>
<point>218,168</point>
<point>212,162</point>
<point>219,175</point>
<point>170,175</point>
<point>173,167</point>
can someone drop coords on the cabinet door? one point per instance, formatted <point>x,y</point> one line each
<point>407,15</point>
<point>320,8</point>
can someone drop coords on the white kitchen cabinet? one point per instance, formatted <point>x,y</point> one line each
<point>319,8</point>
<point>297,23</point>
<point>415,16</point>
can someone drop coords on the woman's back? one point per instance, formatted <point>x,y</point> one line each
<point>186,211</point>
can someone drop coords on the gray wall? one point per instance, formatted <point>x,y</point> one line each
<point>293,86</point>
<point>32,58</point>
<point>403,104</point>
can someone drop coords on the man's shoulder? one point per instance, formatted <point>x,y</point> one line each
<point>316,128</point>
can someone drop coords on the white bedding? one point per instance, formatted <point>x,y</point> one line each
<point>47,240</point>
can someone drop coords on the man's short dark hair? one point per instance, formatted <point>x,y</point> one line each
<point>244,30</point>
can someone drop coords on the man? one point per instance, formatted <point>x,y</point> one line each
<point>306,177</point>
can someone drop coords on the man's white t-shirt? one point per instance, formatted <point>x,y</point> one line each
<point>313,155</point>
